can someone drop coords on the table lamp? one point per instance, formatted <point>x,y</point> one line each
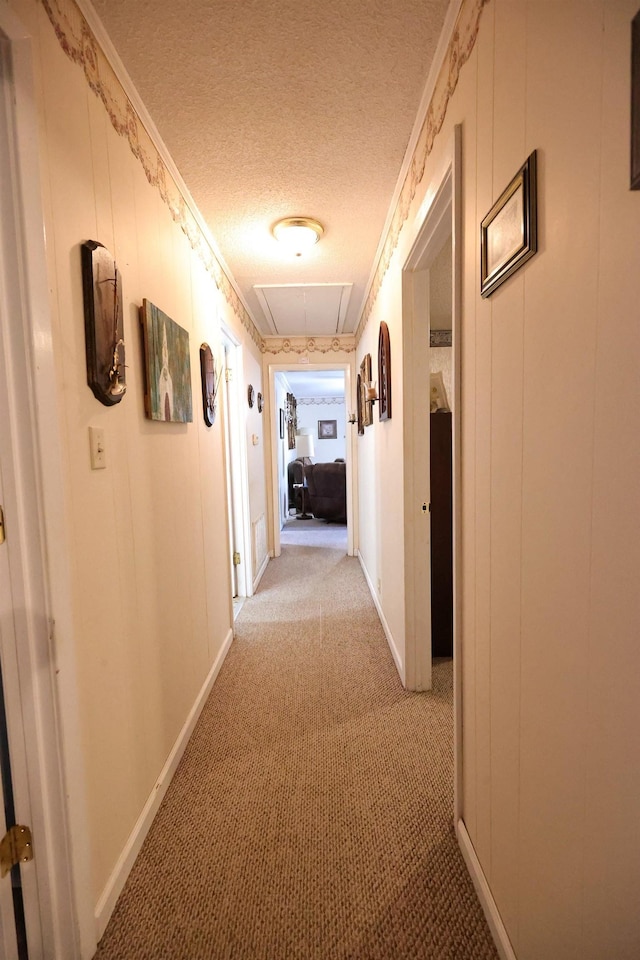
<point>304,452</point>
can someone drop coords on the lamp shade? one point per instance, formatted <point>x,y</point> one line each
<point>304,445</point>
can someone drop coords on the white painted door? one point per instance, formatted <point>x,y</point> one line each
<point>12,928</point>
<point>37,908</point>
<point>8,933</point>
<point>19,901</point>
<point>228,414</point>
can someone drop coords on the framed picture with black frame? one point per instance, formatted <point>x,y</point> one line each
<point>384,373</point>
<point>327,429</point>
<point>281,423</point>
<point>509,232</point>
<point>359,408</point>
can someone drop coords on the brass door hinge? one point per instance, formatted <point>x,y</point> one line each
<point>2,534</point>
<point>236,559</point>
<point>15,847</point>
<point>228,374</point>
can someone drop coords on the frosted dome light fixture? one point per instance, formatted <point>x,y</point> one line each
<point>297,234</point>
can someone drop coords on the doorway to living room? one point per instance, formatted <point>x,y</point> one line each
<point>311,453</point>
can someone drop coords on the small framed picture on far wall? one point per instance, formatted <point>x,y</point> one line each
<point>327,429</point>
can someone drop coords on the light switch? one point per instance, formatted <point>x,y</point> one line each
<point>97,447</point>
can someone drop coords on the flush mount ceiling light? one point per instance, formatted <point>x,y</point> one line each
<point>298,234</point>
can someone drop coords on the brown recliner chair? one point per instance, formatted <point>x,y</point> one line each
<point>327,490</point>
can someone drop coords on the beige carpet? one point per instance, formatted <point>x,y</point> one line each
<point>311,815</point>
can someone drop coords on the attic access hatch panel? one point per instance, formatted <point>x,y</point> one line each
<point>305,309</point>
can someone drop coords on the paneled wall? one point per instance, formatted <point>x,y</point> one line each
<point>550,456</point>
<point>550,460</point>
<point>149,563</point>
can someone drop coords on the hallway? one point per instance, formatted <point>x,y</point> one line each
<point>311,816</point>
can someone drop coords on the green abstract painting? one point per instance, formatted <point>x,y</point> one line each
<point>167,366</point>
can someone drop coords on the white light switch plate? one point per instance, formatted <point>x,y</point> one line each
<point>97,447</point>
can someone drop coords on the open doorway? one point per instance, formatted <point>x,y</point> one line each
<point>311,453</point>
<point>236,471</point>
<point>431,321</point>
<point>440,316</point>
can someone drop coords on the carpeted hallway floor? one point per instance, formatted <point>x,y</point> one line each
<point>311,815</point>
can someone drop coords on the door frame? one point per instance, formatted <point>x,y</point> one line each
<point>274,439</point>
<point>439,215</point>
<point>47,705</point>
<point>237,463</point>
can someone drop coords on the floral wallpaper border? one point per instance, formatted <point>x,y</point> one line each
<point>302,345</point>
<point>321,401</point>
<point>80,45</point>
<point>460,47</point>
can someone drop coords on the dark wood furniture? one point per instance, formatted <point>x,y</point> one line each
<point>327,486</point>
<point>441,537</point>
<point>295,477</point>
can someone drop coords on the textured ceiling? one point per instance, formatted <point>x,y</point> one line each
<point>276,108</point>
<point>315,383</point>
<point>311,309</point>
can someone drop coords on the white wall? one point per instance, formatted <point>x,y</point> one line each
<point>550,460</point>
<point>256,433</point>
<point>380,454</point>
<point>149,563</point>
<point>310,411</point>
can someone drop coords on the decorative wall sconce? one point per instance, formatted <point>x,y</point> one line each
<point>365,403</point>
<point>371,392</point>
<point>104,336</point>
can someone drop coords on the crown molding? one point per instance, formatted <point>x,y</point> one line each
<point>85,53</point>
<point>456,43</point>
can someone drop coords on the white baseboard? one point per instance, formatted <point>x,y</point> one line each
<point>497,927</point>
<point>113,889</point>
<point>260,572</point>
<point>385,626</point>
